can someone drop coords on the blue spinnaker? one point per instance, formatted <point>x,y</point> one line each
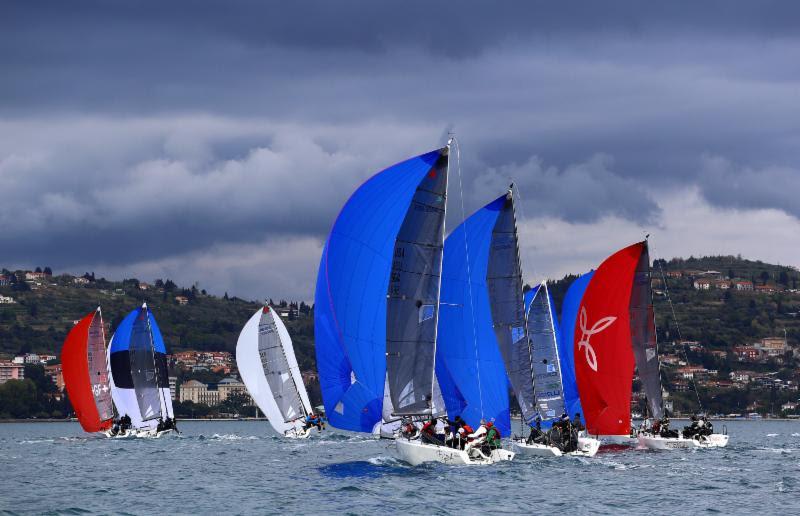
<point>350,312</point>
<point>469,366</point>
<point>569,317</point>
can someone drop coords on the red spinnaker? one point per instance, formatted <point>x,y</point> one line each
<point>75,367</point>
<point>604,360</point>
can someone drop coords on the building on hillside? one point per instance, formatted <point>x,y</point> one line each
<point>690,372</point>
<point>55,374</point>
<point>182,300</point>
<point>674,274</point>
<point>772,346</point>
<point>789,406</point>
<point>7,300</point>
<point>741,376</point>
<point>765,289</point>
<point>5,280</point>
<point>80,281</point>
<point>702,284</point>
<point>144,286</point>
<point>722,284</point>
<point>719,353</point>
<point>747,353</point>
<point>743,285</point>
<point>33,276</point>
<point>11,371</point>
<point>173,387</point>
<point>32,358</point>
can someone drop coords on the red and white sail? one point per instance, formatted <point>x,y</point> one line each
<point>83,363</point>
<point>604,357</point>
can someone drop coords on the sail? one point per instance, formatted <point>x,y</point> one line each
<point>413,298</point>
<point>266,361</point>
<point>643,335</point>
<point>371,259</point>
<point>544,356</point>
<point>504,283</point>
<point>569,317</point>
<point>602,345</point>
<point>83,363</point>
<point>138,365</point>
<point>469,366</point>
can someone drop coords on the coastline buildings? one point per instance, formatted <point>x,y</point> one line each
<point>11,371</point>
<point>212,394</point>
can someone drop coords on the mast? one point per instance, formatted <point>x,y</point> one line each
<point>439,287</point>
<point>525,307</point>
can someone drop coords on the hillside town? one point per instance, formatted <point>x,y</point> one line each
<point>737,375</point>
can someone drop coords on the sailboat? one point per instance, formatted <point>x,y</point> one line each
<point>549,374</point>
<point>83,363</point>
<point>266,361</point>
<point>614,331</point>
<point>377,304</point>
<point>139,382</point>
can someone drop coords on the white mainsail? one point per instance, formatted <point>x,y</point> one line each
<point>266,361</point>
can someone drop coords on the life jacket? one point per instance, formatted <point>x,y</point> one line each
<point>429,428</point>
<point>468,429</point>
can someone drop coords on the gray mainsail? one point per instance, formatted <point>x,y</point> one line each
<point>143,368</point>
<point>643,335</point>
<point>98,368</point>
<point>277,370</point>
<point>544,352</point>
<point>504,283</point>
<point>412,305</point>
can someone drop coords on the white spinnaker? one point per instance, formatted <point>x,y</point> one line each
<point>248,361</point>
<point>125,399</point>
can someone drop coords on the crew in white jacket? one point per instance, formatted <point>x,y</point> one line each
<point>477,438</point>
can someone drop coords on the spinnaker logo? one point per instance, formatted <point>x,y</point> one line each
<point>602,324</point>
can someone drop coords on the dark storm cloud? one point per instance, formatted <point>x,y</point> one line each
<point>137,133</point>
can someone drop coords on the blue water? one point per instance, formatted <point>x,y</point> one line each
<point>243,467</point>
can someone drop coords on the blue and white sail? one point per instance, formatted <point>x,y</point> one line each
<point>477,287</point>
<point>569,316</point>
<point>137,361</point>
<point>377,296</point>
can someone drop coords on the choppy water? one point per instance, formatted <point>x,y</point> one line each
<point>243,467</point>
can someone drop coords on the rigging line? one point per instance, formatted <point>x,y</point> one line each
<point>469,274</point>
<point>677,327</point>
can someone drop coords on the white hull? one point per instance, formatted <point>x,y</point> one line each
<point>298,433</point>
<point>617,440</point>
<point>678,443</point>
<point>416,453</point>
<point>587,447</point>
<point>143,433</point>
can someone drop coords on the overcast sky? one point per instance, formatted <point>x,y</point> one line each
<point>216,141</point>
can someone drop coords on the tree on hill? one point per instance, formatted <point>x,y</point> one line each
<point>38,269</point>
<point>48,271</point>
